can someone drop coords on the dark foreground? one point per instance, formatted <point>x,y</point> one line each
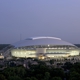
<point>38,70</point>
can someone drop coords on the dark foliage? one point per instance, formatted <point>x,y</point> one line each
<point>42,72</point>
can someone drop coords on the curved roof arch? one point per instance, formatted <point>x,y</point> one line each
<point>34,38</point>
<point>41,41</point>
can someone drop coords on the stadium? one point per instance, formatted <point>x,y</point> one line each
<point>43,48</point>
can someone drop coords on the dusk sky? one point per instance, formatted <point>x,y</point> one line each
<point>30,18</point>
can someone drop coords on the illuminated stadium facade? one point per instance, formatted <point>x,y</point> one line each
<point>43,48</point>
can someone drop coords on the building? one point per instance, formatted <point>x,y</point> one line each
<point>43,47</point>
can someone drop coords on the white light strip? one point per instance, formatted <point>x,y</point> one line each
<point>45,37</point>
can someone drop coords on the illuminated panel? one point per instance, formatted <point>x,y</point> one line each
<point>41,50</point>
<point>57,55</point>
<point>57,51</point>
<point>74,52</point>
<point>23,53</point>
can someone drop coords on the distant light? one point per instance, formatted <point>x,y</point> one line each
<point>48,45</point>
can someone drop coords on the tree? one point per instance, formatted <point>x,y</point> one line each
<point>20,71</point>
<point>51,62</point>
<point>33,78</point>
<point>47,76</point>
<point>28,78</point>
<point>39,76</point>
<point>14,78</point>
<point>56,78</point>
<point>74,76</point>
<point>2,77</point>
<point>57,72</point>
<point>68,65</point>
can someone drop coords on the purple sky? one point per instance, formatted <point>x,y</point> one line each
<point>30,18</point>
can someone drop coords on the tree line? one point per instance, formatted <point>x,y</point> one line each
<point>41,71</point>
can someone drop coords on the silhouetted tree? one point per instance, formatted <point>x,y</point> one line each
<point>14,78</point>
<point>2,77</point>
<point>56,78</point>
<point>46,76</point>
<point>74,76</point>
<point>51,62</point>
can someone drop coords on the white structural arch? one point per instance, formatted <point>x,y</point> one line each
<point>34,38</point>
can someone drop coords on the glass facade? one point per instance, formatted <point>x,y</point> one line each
<point>48,50</point>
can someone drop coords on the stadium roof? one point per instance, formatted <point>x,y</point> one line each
<point>41,41</point>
